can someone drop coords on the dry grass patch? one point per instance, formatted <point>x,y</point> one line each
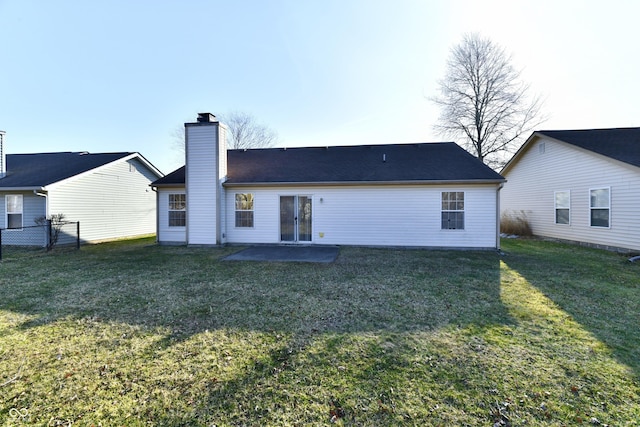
<point>515,223</point>
<point>130,333</point>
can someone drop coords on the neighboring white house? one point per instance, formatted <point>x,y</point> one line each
<point>578,185</point>
<point>411,195</point>
<point>108,193</point>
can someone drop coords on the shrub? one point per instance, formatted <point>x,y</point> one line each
<point>57,221</point>
<point>515,223</point>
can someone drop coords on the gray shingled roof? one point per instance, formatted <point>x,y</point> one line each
<point>435,162</point>
<point>622,144</point>
<point>42,169</point>
<point>177,177</point>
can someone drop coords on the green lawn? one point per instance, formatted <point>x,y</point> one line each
<point>129,333</point>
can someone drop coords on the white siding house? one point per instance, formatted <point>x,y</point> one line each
<point>112,201</point>
<point>108,193</point>
<point>405,195</point>
<point>402,215</point>
<point>581,186</point>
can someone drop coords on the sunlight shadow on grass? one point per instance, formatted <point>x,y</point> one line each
<point>598,290</point>
<point>527,304</point>
<point>172,336</point>
<point>553,334</point>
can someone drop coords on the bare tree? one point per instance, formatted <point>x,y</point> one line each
<point>177,140</point>
<point>483,101</point>
<point>244,132</point>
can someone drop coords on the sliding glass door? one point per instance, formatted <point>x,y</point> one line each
<point>295,218</point>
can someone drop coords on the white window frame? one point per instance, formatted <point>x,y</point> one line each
<point>7,213</point>
<point>448,209</point>
<point>172,208</point>
<point>556,206</point>
<point>592,208</point>
<point>244,211</point>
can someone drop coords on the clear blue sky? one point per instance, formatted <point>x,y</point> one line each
<point>122,75</point>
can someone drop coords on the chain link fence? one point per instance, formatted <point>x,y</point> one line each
<point>45,236</point>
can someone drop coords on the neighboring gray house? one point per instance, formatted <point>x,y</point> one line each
<point>578,185</point>
<point>108,193</point>
<point>411,195</point>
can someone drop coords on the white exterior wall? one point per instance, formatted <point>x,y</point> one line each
<point>205,144</point>
<point>533,180</point>
<point>166,234</point>
<point>110,202</point>
<point>33,207</point>
<point>385,215</point>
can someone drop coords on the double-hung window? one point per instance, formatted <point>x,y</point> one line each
<point>563,207</point>
<point>14,211</point>
<point>244,210</point>
<point>452,210</point>
<point>600,207</point>
<point>177,210</point>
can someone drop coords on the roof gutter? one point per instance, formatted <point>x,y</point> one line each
<point>34,188</point>
<point>361,183</point>
<point>157,186</point>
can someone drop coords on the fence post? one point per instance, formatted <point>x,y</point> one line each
<point>78,235</point>
<point>0,243</point>
<point>49,237</point>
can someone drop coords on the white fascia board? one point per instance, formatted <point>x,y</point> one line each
<point>514,159</point>
<point>14,189</point>
<point>169,186</point>
<point>359,183</point>
<point>147,163</point>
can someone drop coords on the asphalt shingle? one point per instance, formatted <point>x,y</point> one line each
<point>622,144</point>
<point>42,169</point>
<point>434,162</point>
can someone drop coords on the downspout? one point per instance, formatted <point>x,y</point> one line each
<point>46,212</point>
<point>155,190</point>
<point>498,216</point>
<point>46,201</point>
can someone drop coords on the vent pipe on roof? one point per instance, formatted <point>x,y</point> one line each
<point>3,155</point>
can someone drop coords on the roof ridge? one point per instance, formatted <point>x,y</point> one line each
<point>589,129</point>
<point>78,152</point>
<point>360,146</point>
